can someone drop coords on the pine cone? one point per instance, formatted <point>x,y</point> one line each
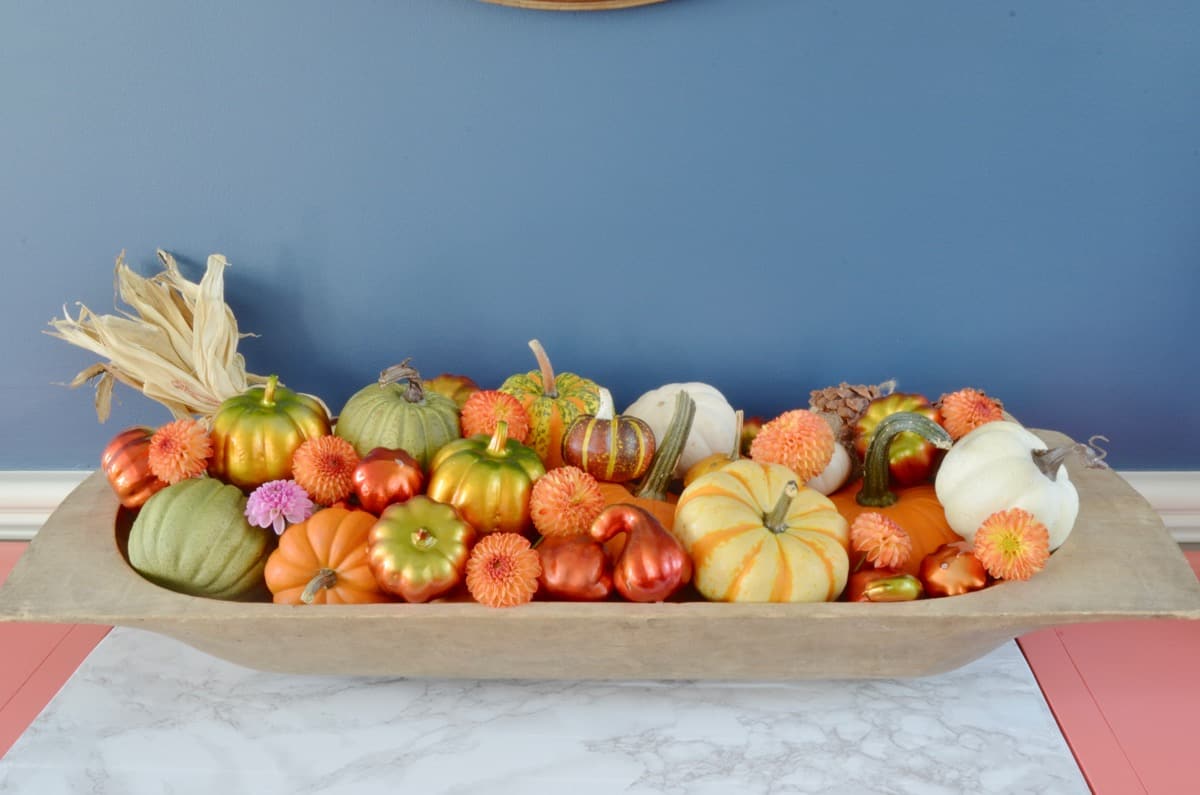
<point>847,402</point>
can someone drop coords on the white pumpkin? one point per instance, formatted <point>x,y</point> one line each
<point>713,430</point>
<point>993,469</point>
<point>835,474</point>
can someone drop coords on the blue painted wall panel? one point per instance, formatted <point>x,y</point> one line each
<point>770,196</point>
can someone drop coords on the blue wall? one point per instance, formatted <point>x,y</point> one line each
<point>768,195</point>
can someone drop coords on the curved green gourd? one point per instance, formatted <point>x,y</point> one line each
<point>193,537</point>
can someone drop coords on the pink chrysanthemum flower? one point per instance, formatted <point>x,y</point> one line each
<point>277,504</point>
<point>886,544</point>
<point>1012,545</point>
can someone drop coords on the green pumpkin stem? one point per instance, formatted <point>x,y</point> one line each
<point>405,372</point>
<point>549,385</point>
<point>875,492</point>
<point>739,418</point>
<point>776,520</point>
<point>325,578</point>
<point>499,441</point>
<point>268,396</point>
<point>666,457</point>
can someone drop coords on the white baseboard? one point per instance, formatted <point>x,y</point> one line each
<point>27,499</point>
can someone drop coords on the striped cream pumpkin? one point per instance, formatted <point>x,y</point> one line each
<point>752,541</point>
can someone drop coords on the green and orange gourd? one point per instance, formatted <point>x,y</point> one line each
<point>552,403</point>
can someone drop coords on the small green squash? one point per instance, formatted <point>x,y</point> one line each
<point>193,538</point>
<point>386,414</point>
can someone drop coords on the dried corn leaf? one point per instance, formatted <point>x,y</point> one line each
<point>177,343</point>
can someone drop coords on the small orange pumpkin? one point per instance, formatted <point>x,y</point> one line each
<point>323,560</point>
<point>915,508</point>
<point>126,464</point>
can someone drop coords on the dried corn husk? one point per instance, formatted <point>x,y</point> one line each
<point>178,346</point>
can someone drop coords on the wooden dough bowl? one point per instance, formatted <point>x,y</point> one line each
<point>1119,563</point>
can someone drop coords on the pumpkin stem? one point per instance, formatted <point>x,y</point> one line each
<point>776,520</point>
<point>268,396</point>
<point>422,538</point>
<point>1049,461</point>
<point>875,492</point>
<point>666,457</point>
<point>549,387</point>
<point>405,372</point>
<point>739,421</point>
<point>499,442</point>
<point>325,578</point>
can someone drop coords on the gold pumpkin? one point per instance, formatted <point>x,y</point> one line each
<point>755,535</point>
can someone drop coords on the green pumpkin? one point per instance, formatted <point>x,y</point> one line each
<point>193,537</point>
<point>409,417</point>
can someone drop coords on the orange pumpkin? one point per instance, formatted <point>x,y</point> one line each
<point>915,508</point>
<point>126,464</point>
<point>323,560</point>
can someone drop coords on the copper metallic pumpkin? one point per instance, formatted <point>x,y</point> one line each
<point>126,464</point>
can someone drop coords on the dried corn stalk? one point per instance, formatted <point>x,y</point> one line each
<point>178,346</point>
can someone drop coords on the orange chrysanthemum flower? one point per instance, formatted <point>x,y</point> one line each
<point>1012,544</point>
<point>179,450</point>
<point>800,440</point>
<point>503,570</point>
<point>565,501</point>
<point>886,544</point>
<point>965,410</point>
<point>485,408</point>
<point>324,467</point>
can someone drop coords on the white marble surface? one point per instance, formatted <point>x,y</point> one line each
<point>146,714</point>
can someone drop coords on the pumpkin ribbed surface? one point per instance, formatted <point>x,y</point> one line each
<point>333,539</point>
<point>721,520</point>
<point>917,511</point>
<point>614,451</point>
<point>381,416</point>
<point>193,537</point>
<point>549,416</point>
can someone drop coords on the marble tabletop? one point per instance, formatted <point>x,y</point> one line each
<point>147,714</point>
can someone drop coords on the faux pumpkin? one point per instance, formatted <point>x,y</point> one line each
<point>651,494</point>
<point>916,508</point>
<point>610,449</point>
<point>255,434</point>
<point>456,387</point>
<point>193,538</point>
<point>385,476</point>
<point>409,417</point>
<point>552,403</point>
<point>911,458</point>
<point>323,560</point>
<point>756,536</point>
<point>1001,465</point>
<point>488,479</point>
<point>714,429</point>
<point>418,550</point>
<point>126,463</point>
